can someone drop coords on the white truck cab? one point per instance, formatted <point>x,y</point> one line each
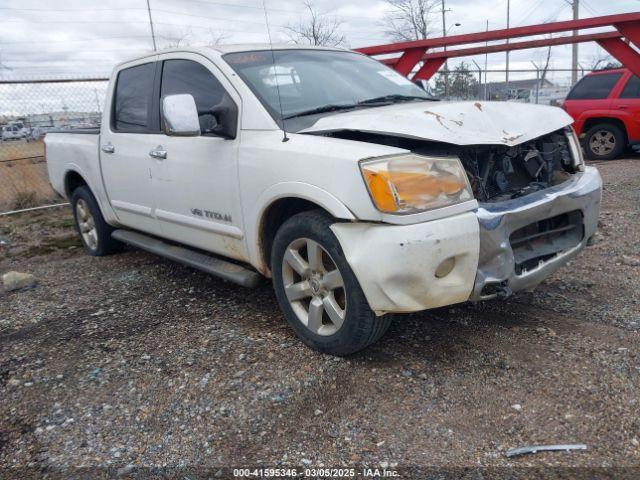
<point>332,174</point>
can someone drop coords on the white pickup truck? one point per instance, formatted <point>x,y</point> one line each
<point>344,182</point>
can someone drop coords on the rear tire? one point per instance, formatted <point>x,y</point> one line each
<point>94,232</point>
<point>317,291</point>
<point>604,142</point>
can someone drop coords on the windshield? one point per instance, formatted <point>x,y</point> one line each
<point>319,81</point>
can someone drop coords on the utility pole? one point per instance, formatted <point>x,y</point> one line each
<point>574,48</point>
<point>506,78</point>
<point>486,59</point>
<point>446,62</point>
<point>153,35</point>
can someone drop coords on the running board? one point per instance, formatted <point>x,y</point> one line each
<point>213,265</point>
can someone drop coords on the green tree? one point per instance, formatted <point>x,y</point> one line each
<point>462,82</point>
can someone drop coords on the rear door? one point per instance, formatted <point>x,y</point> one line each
<point>125,143</point>
<point>196,184</point>
<point>627,103</point>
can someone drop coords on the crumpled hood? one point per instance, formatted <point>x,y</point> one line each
<point>459,123</point>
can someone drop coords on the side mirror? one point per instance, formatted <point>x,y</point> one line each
<point>180,116</point>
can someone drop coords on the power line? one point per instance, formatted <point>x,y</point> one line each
<point>534,5</point>
<point>590,8</point>
<point>87,39</point>
<point>70,9</point>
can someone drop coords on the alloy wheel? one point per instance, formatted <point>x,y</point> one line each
<point>602,142</point>
<point>314,286</point>
<point>86,224</point>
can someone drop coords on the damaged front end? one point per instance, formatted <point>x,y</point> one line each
<point>499,173</point>
<point>538,205</point>
<point>523,240</point>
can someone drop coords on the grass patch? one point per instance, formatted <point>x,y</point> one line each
<point>51,245</point>
<point>65,223</point>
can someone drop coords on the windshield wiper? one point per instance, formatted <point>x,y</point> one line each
<point>393,99</point>
<point>322,109</point>
<point>383,100</point>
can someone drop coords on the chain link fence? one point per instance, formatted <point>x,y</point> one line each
<point>28,110</point>
<point>469,82</point>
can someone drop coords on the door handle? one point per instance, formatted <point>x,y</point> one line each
<point>158,153</point>
<point>108,148</point>
<point>623,106</point>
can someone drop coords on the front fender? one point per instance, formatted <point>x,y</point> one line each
<point>301,190</point>
<point>591,114</point>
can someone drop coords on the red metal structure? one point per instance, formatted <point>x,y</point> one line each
<point>616,42</point>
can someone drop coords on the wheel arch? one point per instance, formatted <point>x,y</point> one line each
<point>280,204</point>
<point>73,180</point>
<point>593,121</point>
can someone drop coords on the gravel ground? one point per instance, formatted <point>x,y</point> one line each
<point>132,361</point>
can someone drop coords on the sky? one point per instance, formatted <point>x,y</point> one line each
<point>85,38</point>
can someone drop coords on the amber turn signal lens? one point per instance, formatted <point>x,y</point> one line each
<point>414,183</point>
<point>381,190</point>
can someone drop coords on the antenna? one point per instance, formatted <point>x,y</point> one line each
<point>275,71</point>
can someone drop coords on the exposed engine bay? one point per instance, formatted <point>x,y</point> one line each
<point>496,172</point>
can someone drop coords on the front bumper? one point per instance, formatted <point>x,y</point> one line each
<point>497,275</point>
<point>396,265</point>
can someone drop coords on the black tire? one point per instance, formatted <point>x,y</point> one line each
<point>105,245</point>
<point>360,327</point>
<point>596,134</point>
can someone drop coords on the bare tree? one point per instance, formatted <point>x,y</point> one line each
<point>217,37</point>
<point>409,19</point>
<point>187,38</point>
<point>545,69</point>
<point>603,61</point>
<point>317,29</point>
<point>181,41</point>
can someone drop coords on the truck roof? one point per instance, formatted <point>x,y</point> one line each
<point>246,47</point>
<point>230,48</point>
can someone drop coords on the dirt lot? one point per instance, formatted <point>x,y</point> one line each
<point>132,361</point>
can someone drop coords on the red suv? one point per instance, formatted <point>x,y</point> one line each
<point>605,106</point>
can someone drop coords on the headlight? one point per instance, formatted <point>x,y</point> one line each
<point>576,149</point>
<point>414,183</point>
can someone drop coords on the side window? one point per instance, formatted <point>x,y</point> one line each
<point>632,88</point>
<point>132,100</point>
<point>594,86</point>
<point>187,76</point>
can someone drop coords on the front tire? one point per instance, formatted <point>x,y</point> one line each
<point>604,142</point>
<point>94,232</point>
<point>317,291</point>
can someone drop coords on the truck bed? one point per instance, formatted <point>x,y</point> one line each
<point>73,151</point>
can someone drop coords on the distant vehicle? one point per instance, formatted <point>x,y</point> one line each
<point>14,132</point>
<point>606,108</point>
<point>375,199</point>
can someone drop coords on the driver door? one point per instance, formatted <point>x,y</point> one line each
<point>196,179</point>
